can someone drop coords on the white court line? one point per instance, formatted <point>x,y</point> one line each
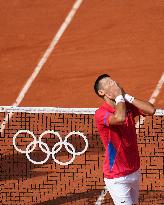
<point>43,60</point>
<point>157,90</point>
<point>151,100</point>
<point>153,97</point>
<point>102,196</point>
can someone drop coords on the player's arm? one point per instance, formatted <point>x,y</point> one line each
<point>118,118</point>
<point>145,107</point>
<point>119,115</point>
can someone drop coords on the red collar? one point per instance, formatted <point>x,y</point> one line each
<point>108,107</point>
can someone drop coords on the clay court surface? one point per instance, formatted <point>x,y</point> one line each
<point>121,38</point>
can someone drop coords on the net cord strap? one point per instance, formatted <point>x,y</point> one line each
<point>48,110</point>
<point>8,109</point>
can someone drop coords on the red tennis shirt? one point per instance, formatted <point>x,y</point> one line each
<point>120,142</point>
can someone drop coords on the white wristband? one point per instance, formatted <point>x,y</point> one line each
<point>129,98</point>
<point>119,98</point>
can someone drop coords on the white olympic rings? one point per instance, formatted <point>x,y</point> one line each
<point>55,149</point>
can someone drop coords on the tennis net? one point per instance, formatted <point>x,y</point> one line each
<point>49,153</point>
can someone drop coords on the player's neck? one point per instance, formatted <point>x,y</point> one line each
<point>111,102</point>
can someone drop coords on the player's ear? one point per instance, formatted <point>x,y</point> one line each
<point>101,93</point>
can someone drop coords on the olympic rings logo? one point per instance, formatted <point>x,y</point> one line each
<point>56,148</point>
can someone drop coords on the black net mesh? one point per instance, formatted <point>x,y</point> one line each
<point>80,182</point>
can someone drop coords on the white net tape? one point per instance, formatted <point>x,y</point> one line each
<point>57,110</point>
<point>48,110</point>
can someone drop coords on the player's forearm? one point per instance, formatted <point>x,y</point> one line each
<point>120,112</point>
<point>118,118</point>
<point>144,106</point>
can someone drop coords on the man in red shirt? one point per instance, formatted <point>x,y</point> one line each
<point>116,126</point>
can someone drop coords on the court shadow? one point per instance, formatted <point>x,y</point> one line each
<point>17,166</point>
<point>90,197</point>
<point>146,197</point>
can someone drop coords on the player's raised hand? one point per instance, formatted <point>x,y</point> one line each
<point>114,91</point>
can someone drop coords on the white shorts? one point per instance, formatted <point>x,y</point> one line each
<point>124,190</point>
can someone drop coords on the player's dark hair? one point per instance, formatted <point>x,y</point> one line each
<point>97,83</point>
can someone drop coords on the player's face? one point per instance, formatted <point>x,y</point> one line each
<point>107,86</point>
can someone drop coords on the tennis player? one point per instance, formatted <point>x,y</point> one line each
<point>116,126</point>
